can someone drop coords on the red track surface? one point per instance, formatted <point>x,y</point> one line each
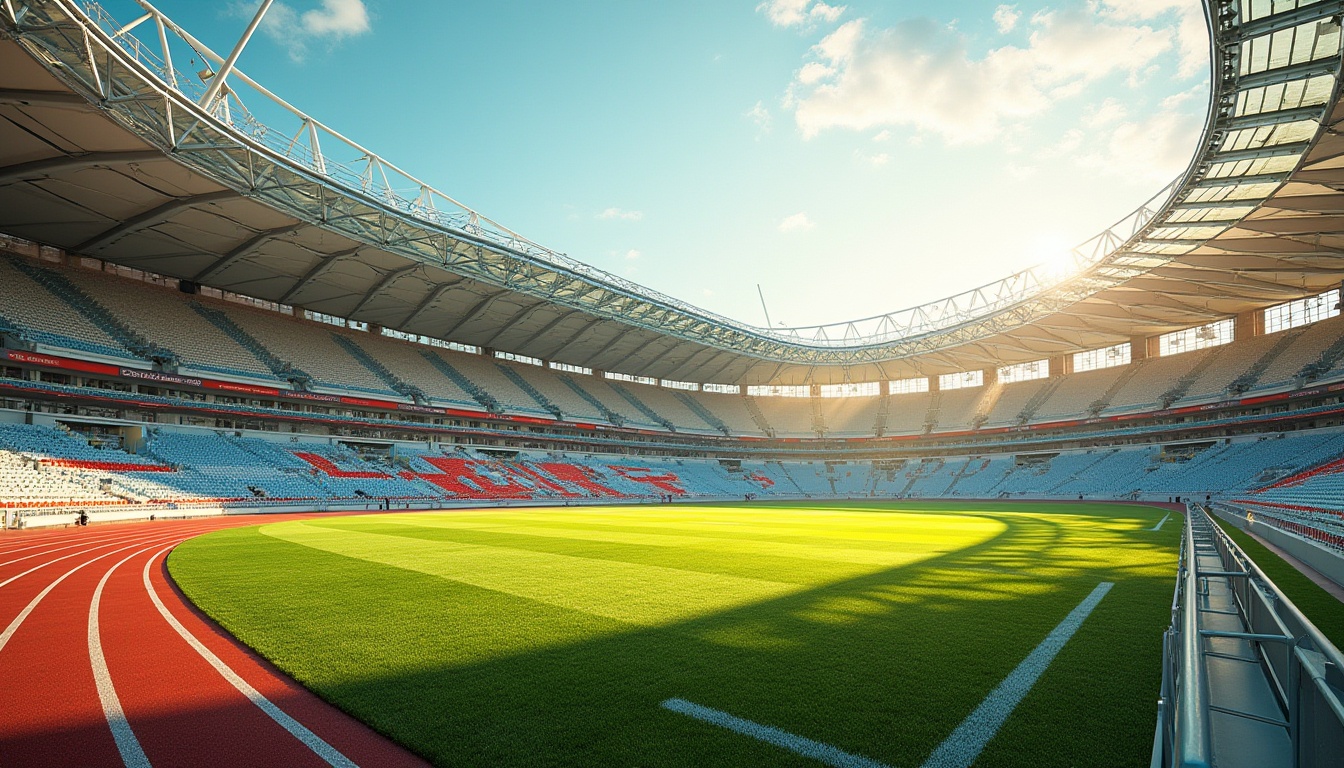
<point>161,701</point>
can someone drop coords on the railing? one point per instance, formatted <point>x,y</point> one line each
<point>1305,671</point>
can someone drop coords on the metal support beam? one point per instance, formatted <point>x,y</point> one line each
<point>428,301</point>
<point>57,99</point>
<point>518,318</point>
<point>575,336</point>
<point>1291,72</point>
<point>217,83</point>
<point>549,327</point>
<point>149,218</point>
<point>38,169</point>
<point>382,285</point>
<point>237,254</point>
<point>318,269</point>
<point>476,311</point>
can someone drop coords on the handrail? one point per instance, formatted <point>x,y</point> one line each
<point>1304,669</point>
<point>1192,704</point>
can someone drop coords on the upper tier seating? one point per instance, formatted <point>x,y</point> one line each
<point>309,346</point>
<point>1304,350</point>
<point>45,319</point>
<point>171,323</point>
<point>1156,375</point>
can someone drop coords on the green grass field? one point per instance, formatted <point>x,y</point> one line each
<point>550,637</point>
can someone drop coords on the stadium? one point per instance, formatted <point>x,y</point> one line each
<point>305,462</point>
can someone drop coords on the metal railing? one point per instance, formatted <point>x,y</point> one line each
<point>1305,671</point>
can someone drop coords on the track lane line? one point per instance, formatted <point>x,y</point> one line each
<point>314,742</point>
<point>119,536</point>
<point>18,622</point>
<point>127,744</point>
<point>144,536</point>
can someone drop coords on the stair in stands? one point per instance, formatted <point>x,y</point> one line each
<point>61,287</point>
<point>641,406</point>
<point>754,410</point>
<point>818,418</point>
<point>1037,400</point>
<point>399,386</point>
<point>959,474</point>
<point>883,411</point>
<point>283,369</point>
<point>1101,403</point>
<point>532,392</point>
<point>610,415</point>
<point>986,403</point>
<point>1323,364</point>
<point>476,391</point>
<point>1252,375</point>
<point>700,410</point>
<point>1183,384</point>
<point>931,415</point>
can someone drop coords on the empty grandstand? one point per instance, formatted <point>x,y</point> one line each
<point>338,346</point>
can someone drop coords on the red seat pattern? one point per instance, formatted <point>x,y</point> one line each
<point>581,477</point>
<point>326,467</point>
<point>667,482</point>
<point>1330,468</point>
<point>106,466</point>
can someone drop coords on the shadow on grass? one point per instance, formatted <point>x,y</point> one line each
<point>883,665</point>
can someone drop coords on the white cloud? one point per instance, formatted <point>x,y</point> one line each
<point>332,21</point>
<point>1107,114</point>
<point>882,135</point>
<point>1153,148</point>
<point>1006,18</point>
<point>760,115</point>
<point>876,160</point>
<point>798,222</point>
<point>618,214</point>
<point>1192,36</point>
<point>632,255</point>
<point>796,13</point>
<point>919,74</point>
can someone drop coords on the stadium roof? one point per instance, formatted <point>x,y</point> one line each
<point>108,150</point>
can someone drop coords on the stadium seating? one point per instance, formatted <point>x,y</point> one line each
<point>43,318</point>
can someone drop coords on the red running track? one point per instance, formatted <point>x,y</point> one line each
<point>103,662</point>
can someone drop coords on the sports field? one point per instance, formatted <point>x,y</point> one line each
<point>859,634</point>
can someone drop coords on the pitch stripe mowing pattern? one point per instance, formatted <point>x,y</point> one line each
<point>969,739</point>
<point>823,753</point>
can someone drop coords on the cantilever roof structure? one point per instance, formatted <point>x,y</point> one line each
<point>108,150</point>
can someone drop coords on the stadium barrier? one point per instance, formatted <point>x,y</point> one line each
<point>1223,597</point>
<point>1327,561</point>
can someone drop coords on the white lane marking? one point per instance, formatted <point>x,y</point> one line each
<point>960,749</point>
<point>1158,527</point>
<point>18,620</point>
<point>131,752</point>
<point>101,541</point>
<point>823,753</point>
<point>134,540</point>
<point>314,742</point>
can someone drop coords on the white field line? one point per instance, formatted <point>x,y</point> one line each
<point>314,742</point>
<point>1158,527</point>
<point>961,748</point>
<point>131,752</point>
<point>823,753</point>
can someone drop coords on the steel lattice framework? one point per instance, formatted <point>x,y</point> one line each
<point>1274,89</point>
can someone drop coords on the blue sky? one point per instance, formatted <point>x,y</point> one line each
<point>852,159</point>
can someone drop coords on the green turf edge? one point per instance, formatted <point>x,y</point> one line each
<point>1319,606</point>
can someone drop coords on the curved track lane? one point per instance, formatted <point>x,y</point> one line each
<point>105,663</point>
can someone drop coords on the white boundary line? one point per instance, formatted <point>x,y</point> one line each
<point>823,753</point>
<point>1161,522</point>
<point>132,754</point>
<point>961,748</point>
<point>314,742</point>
